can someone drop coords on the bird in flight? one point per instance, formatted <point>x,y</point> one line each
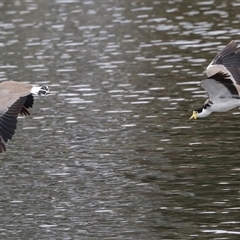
<point>223,82</point>
<point>15,99</point>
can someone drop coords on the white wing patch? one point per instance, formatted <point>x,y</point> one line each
<point>217,92</point>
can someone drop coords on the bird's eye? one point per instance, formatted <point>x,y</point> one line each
<point>44,88</point>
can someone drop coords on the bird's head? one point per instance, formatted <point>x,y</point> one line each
<point>200,113</point>
<point>44,90</point>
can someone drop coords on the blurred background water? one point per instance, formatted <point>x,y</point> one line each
<point>112,155</point>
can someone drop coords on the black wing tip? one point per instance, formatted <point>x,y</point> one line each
<point>29,101</point>
<point>233,45</point>
<point>2,145</point>
<point>8,126</point>
<point>233,42</point>
<point>24,111</point>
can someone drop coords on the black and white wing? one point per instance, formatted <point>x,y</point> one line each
<point>220,87</point>
<point>227,61</point>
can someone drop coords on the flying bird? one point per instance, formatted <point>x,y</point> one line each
<point>15,99</point>
<point>223,82</point>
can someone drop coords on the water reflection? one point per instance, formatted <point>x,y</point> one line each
<point>112,154</point>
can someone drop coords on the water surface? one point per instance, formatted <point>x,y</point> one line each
<point>112,155</point>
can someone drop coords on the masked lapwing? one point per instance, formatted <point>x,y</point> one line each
<point>223,82</point>
<point>15,99</point>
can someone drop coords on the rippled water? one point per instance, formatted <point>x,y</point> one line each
<point>112,154</point>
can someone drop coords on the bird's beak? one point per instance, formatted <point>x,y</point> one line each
<point>50,93</point>
<point>194,115</point>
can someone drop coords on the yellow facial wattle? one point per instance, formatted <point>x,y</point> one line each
<point>194,115</point>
